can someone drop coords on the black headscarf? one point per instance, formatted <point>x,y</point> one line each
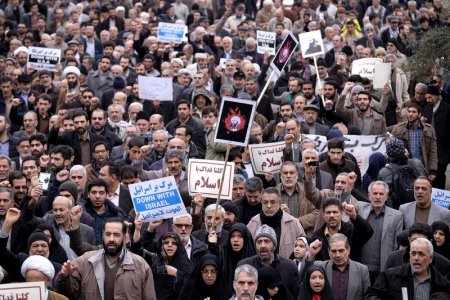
<point>169,287</point>
<point>57,253</point>
<point>445,248</point>
<point>196,288</point>
<point>231,258</point>
<point>307,293</point>
<point>271,277</point>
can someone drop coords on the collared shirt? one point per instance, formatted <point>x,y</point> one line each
<point>414,139</point>
<point>422,289</point>
<point>327,233</point>
<point>340,282</point>
<point>85,150</point>
<point>115,197</point>
<point>43,124</point>
<point>367,125</point>
<point>114,263</point>
<point>4,147</point>
<point>293,201</point>
<point>371,250</point>
<point>90,47</point>
<point>64,241</point>
<point>189,248</point>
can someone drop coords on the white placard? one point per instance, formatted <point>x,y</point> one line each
<point>170,33</point>
<point>223,63</point>
<point>311,43</point>
<point>157,199</point>
<point>441,197</point>
<point>43,58</point>
<point>266,157</point>
<point>155,88</point>
<point>205,177</point>
<point>266,41</point>
<point>382,75</point>
<point>23,290</point>
<point>365,67</point>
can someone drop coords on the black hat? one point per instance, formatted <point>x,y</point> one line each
<point>142,115</point>
<point>239,74</point>
<point>37,235</point>
<point>433,90</point>
<point>119,83</point>
<point>311,107</point>
<point>24,78</point>
<point>229,206</point>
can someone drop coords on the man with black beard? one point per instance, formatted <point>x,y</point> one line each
<point>273,130</point>
<point>81,140</point>
<point>363,117</point>
<point>98,126</point>
<point>117,266</point>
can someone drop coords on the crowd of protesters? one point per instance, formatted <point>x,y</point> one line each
<point>73,138</point>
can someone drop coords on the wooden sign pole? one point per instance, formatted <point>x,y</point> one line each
<point>221,184</point>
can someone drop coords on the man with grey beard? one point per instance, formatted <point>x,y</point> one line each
<point>213,217</point>
<point>265,244</point>
<point>195,249</point>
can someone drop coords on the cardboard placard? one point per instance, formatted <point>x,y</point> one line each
<point>43,58</point>
<point>157,199</point>
<point>284,54</point>
<point>365,67</point>
<point>266,157</point>
<point>23,291</point>
<point>205,178</point>
<point>311,43</point>
<point>234,122</point>
<point>170,33</point>
<point>152,88</point>
<point>266,41</point>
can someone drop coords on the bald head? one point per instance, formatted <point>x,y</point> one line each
<point>177,143</point>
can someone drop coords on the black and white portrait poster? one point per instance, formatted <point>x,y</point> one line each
<point>311,43</point>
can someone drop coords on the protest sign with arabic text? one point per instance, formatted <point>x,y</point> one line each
<point>43,58</point>
<point>266,157</point>
<point>365,67</point>
<point>23,291</point>
<point>154,88</point>
<point>157,199</point>
<point>205,177</point>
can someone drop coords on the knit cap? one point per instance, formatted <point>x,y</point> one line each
<point>395,148</point>
<point>268,232</point>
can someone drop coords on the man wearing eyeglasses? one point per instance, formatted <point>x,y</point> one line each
<point>195,249</point>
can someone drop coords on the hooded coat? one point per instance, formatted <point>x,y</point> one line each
<point>230,258</point>
<point>196,288</point>
<point>167,286</point>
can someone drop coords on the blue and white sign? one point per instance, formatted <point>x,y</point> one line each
<point>170,33</point>
<point>441,197</point>
<point>157,199</point>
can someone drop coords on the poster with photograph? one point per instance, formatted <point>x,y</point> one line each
<point>284,53</point>
<point>311,43</point>
<point>234,123</point>
<point>266,41</point>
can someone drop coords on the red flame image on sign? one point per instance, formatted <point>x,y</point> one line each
<point>284,52</point>
<point>234,121</point>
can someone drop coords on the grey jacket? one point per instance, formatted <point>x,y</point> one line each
<point>358,281</point>
<point>437,213</point>
<point>393,220</point>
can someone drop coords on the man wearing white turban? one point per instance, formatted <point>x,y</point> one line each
<point>38,268</point>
